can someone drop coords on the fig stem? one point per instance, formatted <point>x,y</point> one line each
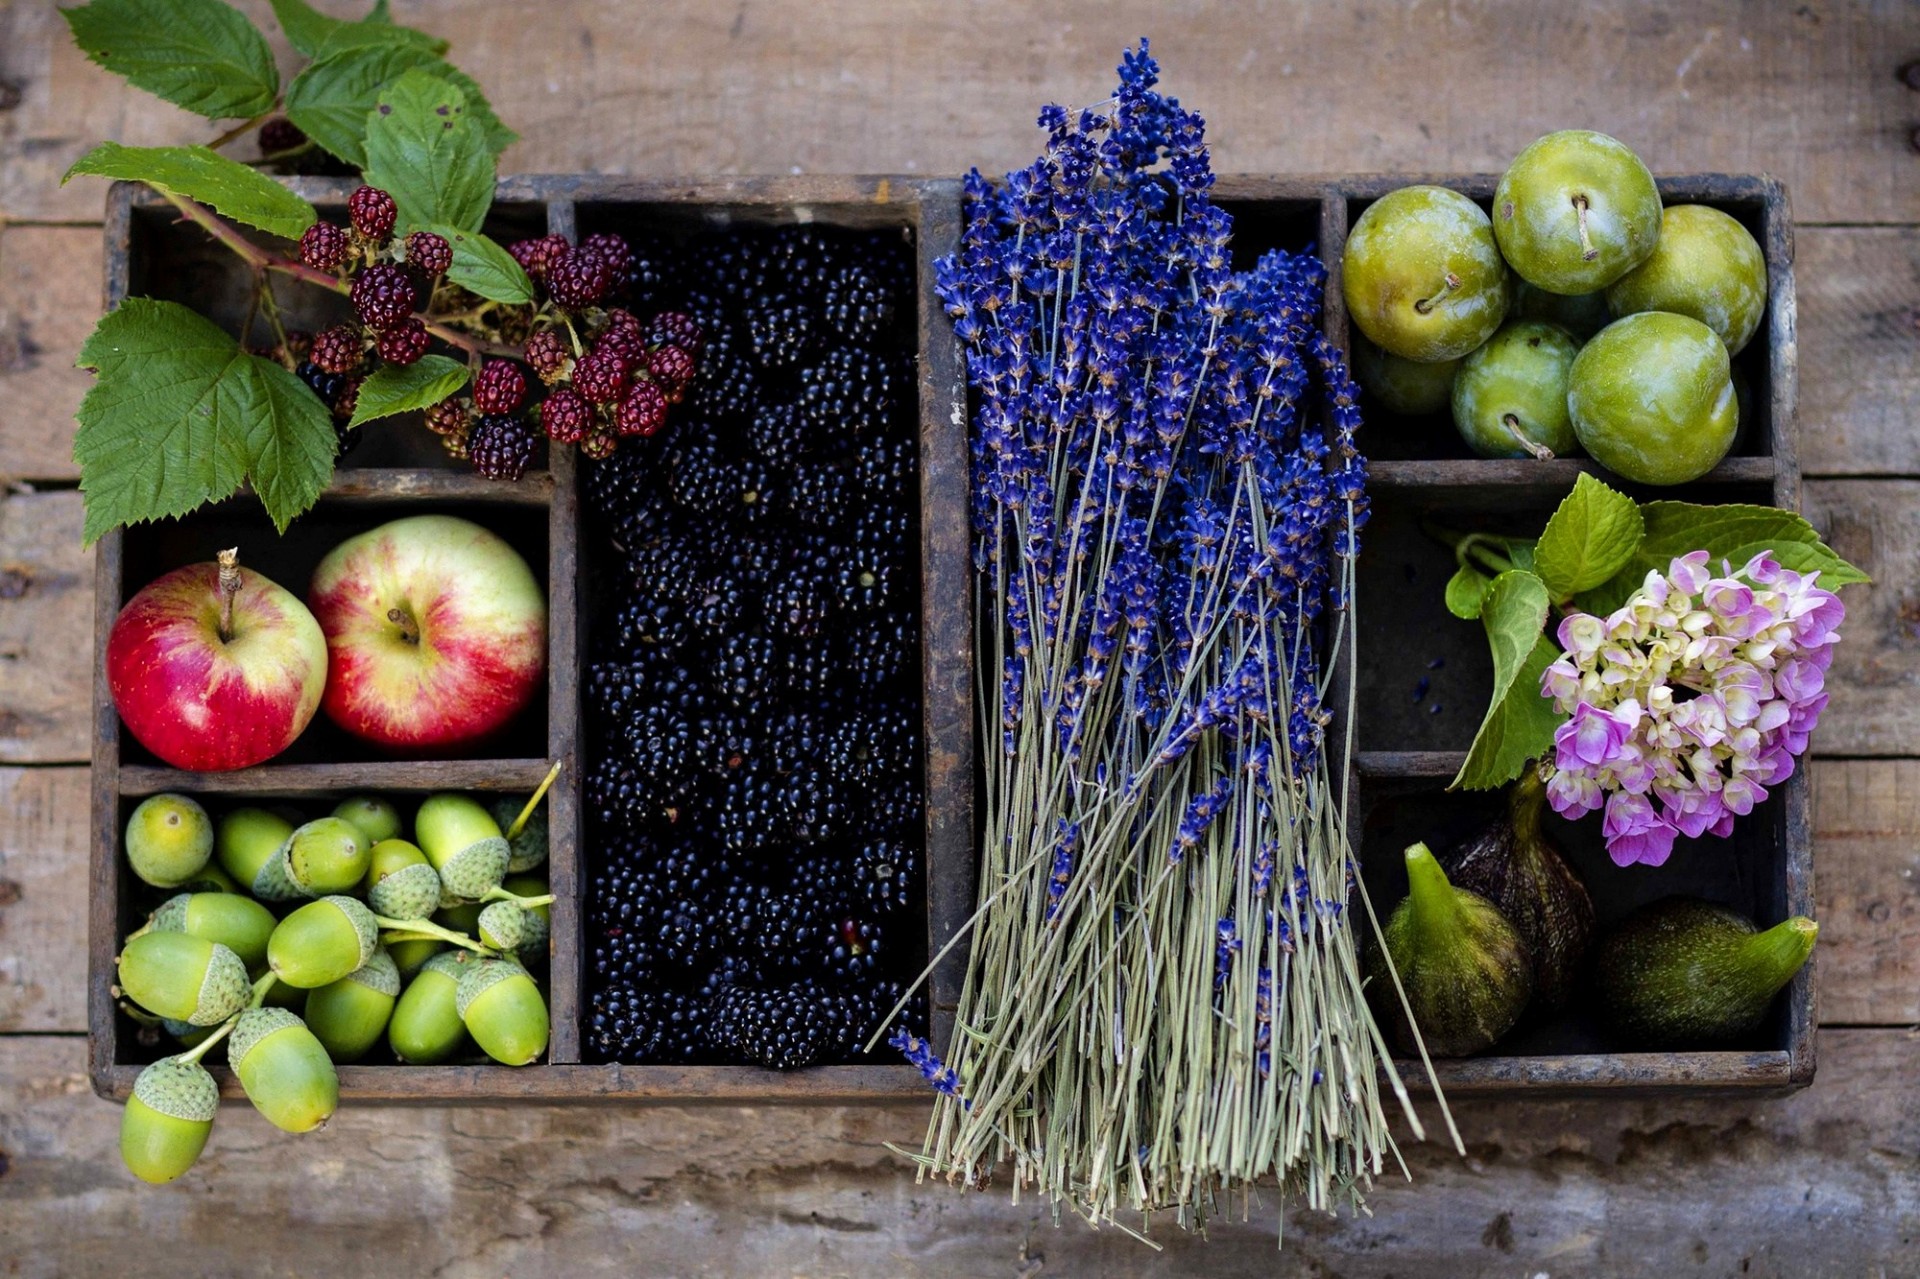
<point>1435,907</point>
<point>1587,252</point>
<point>409,628</point>
<point>526,813</point>
<point>229,587</point>
<point>1539,451</point>
<point>424,928</point>
<point>1425,305</point>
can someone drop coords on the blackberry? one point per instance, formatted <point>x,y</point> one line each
<point>810,670</point>
<point>500,387</point>
<point>747,812</point>
<point>884,467</point>
<point>702,480</point>
<point>723,741</point>
<point>779,331</point>
<point>661,743</point>
<point>856,303</point>
<point>664,568</point>
<point>617,253</point>
<point>871,573</point>
<point>652,270</point>
<point>549,355</point>
<point>345,438</point>
<point>727,384</point>
<point>755,559</point>
<point>619,799</point>
<point>892,809</point>
<point>882,873</point>
<point>324,246</point>
<point>623,335</point>
<point>428,253</point>
<point>623,1024</point>
<point>565,416</point>
<point>795,740</point>
<point>758,495</point>
<point>600,443</point>
<point>855,950</point>
<point>403,344</point>
<point>742,669</point>
<point>372,212</point>
<point>643,412</point>
<point>718,605</point>
<point>849,392</point>
<point>742,903</point>
<point>819,495</point>
<point>501,446</point>
<point>449,417</point>
<point>864,585</point>
<point>677,328</point>
<point>536,255</point>
<point>383,295</point>
<point>782,1028</point>
<point>644,628</point>
<point>619,485</point>
<point>338,349</point>
<point>280,135</point>
<point>578,277</point>
<point>684,929</point>
<point>881,649</point>
<point>623,954</point>
<point>614,689</point>
<point>796,607</point>
<point>815,808</point>
<point>343,406</point>
<point>871,746</point>
<point>674,370</point>
<point>324,384</point>
<point>882,532</point>
<point>778,432</point>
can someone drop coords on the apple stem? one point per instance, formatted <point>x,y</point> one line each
<point>1587,252</point>
<point>409,629</point>
<point>526,813</point>
<point>1539,451</point>
<point>229,590</point>
<point>1425,305</point>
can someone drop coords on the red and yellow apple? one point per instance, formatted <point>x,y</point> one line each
<point>436,634</point>
<point>213,667</point>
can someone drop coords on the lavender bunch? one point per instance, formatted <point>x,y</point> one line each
<point>1163,1001</point>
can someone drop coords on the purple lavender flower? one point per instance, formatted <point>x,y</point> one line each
<point>919,1054</point>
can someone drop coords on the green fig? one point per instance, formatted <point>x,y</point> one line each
<point>169,840</point>
<point>503,1011</point>
<point>322,942</point>
<point>527,848</point>
<point>1466,972</point>
<point>409,957</point>
<point>327,855</point>
<point>239,923</point>
<point>1515,866</point>
<point>1683,973</point>
<point>349,1016</point>
<point>425,1027</point>
<point>165,1124</point>
<point>503,926</point>
<point>249,844</point>
<point>184,977</point>
<point>463,842</point>
<point>376,818</point>
<point>401,883</point>
<point>285,1070</point>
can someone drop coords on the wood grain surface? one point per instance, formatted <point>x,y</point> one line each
<point>1825,1182</point>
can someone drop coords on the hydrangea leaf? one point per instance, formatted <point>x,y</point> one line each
<point>424,149</point>
<point>1519,722</point>
<point>1591,536</point>
<point>1733,532</point>
<point>180,415</point>
<point>1466,589</point>
<point>234,190</point>
<point>202,55</point>
<point>397,388</point>
<point>483,268</point>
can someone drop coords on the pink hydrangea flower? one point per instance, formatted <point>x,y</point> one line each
<point>1688,701</point>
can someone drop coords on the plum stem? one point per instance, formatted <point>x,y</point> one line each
<point>229,587</point>
<point>526,813</point>
<point>1587,252</point>
<point>409,628</point>
<point>1425,305</point>
<point>1539,451</point>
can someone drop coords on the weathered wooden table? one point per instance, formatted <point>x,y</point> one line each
<point>1825,95</point>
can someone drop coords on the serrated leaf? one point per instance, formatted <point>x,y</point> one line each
<point>179,416</point>
<point>402,388</point>
<point>1465,591</point>
<point>482,267</point>
<point>308,30</point>
<point>1590,537</point>
<point>234,190</point>
<point>424,150</point>
<point>202,55</point>
<point>330,99</point>
<point>499,137</point>
<point>357,35</point>
<point>1519,722</point>
<point>1733,532</point>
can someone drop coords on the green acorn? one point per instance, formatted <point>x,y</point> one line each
<point>503,926</point>
<point>169,840</point>
<point>503,1011</point>
<point>165,1124</point>
<point>528,846</point>
<point>464,844</point>
<point>459,915</point>
<point>327,855</point>
<point>538,922</point>
<point>210,879</point>
<point>426,1026</point>
<point>249,844</point>
<point>322,942</point>
<point>349,1016</point>
<point>377,818</point>
<point>239,923</point>
<point>284,1069</point>
<point>409,957</point>
<point>401,883</point>
<point>184,977</point>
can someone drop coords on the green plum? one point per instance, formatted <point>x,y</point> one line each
<point>1422,274</point>
<point>1707,266</point>
<point>1581,314</point>
<point>1510,398</point>
<point>1407,387</point>
<point>1652,400</point>
<point>1575,211</point>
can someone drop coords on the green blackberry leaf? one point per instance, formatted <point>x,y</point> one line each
<point>306,28</point>
<point>499,137</point>
<point>482,267</point>
<point>369,33</point>
<point>179,416</point>
<point>424,150</point>
<point>330,99</point>
<point>198,54</point>
<point>1519,723</point>
<point>402,388</point>
<point>232,189</point>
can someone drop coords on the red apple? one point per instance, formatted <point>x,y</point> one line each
<point>214,667</point>
<point>436,634</point>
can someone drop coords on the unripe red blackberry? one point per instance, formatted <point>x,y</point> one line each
<point>600,375</point>
<point>676,328</point>
<point>299,344</point>
<point>534,256</point>
<point>599,444</point>
<point>428,253</point>
<point>624,322</point>
<point>578,278</point>
<point>500,388</point>
<point>338,350</point>
<point>501,446</point>
<point>455,441</point>
<point>402,344</point>
<point>615,250</point>
<point>548,353</point>
<point>448,417</point>
<point>280,134</point>
<point>349,400</point>
<point>643,412</point>
<point>673,369</point>
<point>566,416</point>
<point>384,295</point>
<point>372,212</point>
<point>623,336</point>
<point>323,246</point>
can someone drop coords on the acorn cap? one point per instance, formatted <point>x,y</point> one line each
<point>453,963</point>
<point>412,892</point>
<point>463,842</point>
<point>284,1069</point>
<point>534,941</point>
<point>529,848</point>
<point>274,883</point>
<point>482,977</point>
<point>477,869</point>
<point>503,926</point>
<point>503,1011</point>
<point>378,973</point>
<point>363,924</point>
<point>178,1089</point>
<point>255,1025</point>
<point>171,916</point>
<point>184,977</point>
